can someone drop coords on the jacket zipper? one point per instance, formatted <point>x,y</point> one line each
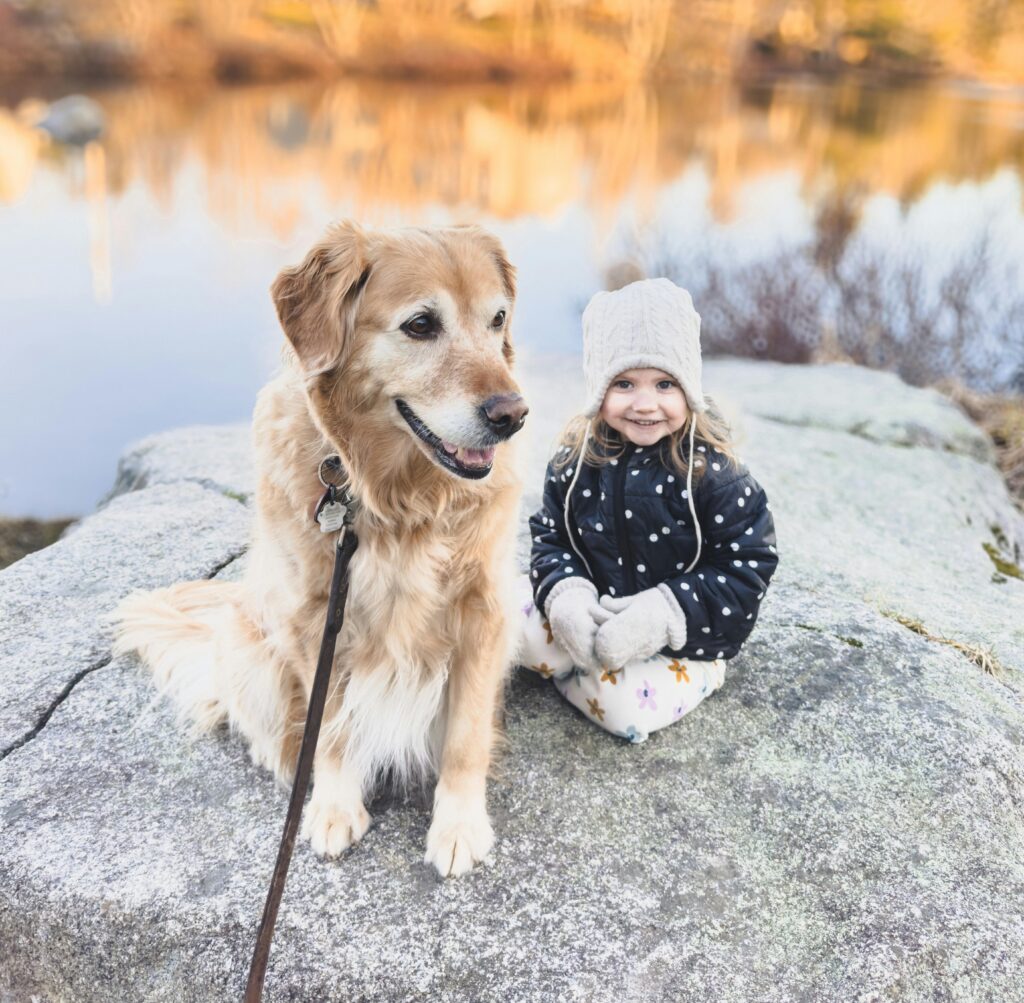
<point>628,569</point>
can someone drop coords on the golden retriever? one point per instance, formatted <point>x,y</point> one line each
<point>399,360</point>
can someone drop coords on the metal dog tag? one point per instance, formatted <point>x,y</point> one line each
<point>331,515</point>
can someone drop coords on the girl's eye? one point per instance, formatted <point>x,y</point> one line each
<point>499,319</point>
<point>666,384</point>
<point>623,385</point>
<point>423,325</point>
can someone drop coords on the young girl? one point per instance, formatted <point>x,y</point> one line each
<point>654,545</point>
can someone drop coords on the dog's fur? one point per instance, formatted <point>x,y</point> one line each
<point>422,657</point>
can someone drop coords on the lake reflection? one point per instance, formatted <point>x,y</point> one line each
<point>133,296</point>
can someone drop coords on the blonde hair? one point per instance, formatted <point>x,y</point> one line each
<point>605,444</point>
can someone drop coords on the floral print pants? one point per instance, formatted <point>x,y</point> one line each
<point>631,701</point>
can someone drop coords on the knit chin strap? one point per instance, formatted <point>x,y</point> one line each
<point>689,495</point>
<point>568,496</point>
<point>689,492</point>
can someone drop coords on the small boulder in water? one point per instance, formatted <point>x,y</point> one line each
<point>75,120</point>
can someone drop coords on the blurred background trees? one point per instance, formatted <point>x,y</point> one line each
<point>524,38</point>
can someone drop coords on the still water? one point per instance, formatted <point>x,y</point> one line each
<point>135,272</point>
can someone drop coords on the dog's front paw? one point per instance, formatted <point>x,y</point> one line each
<point>460,836</point>
<point>332,828</point>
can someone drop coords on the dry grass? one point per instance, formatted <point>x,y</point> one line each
<point>1002,417</point>
<point>981,655</point>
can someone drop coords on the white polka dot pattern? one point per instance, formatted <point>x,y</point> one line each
<point>738,554</point>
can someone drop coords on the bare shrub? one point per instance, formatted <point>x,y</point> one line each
<point>965,320</point>
<point>763,309</point>
<point>888,304</point>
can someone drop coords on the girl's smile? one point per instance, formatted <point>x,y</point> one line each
<point>644,405</point>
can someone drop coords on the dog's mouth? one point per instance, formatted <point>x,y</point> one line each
<point>461,460</point>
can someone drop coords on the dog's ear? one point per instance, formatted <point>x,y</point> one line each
<point>507,270</point>
<point>316,301</point>
<point>496,249</point>
<point>508,279</point>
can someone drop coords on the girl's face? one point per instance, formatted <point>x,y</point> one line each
<point>644,405</point>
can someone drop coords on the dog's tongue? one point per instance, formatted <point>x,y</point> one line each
<point>470,457</point>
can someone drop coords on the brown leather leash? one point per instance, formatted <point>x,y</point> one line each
<point>335,511</point>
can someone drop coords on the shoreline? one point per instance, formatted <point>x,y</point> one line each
<point>21,536</point>
<point>282,45</point>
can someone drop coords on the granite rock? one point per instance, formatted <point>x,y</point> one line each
<point>218,457</point>
<point>53,602</point>
<point>842,821</point>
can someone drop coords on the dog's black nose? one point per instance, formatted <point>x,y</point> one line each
<point>505,413</point>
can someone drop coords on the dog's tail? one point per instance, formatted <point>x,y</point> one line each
<point>214,663</point>
<point>173,630</point>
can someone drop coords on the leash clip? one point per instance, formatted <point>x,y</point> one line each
<point>335,510</point>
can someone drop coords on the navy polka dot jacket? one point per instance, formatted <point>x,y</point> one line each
<point>631,522</point>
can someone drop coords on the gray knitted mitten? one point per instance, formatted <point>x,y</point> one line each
<point>642,625</point>
<point>574,615</point>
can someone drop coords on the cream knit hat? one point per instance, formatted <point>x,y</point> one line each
<point>646,325</point>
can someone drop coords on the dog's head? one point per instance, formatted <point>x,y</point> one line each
<point>407,331</point>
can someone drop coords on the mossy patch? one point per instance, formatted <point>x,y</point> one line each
<point>1003,566</point>
<point>236,495</point>
<point>852,641</point>
<point>999,536</point>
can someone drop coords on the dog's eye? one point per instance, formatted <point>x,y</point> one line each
<point>499,320</point>
<point>423,325</point>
